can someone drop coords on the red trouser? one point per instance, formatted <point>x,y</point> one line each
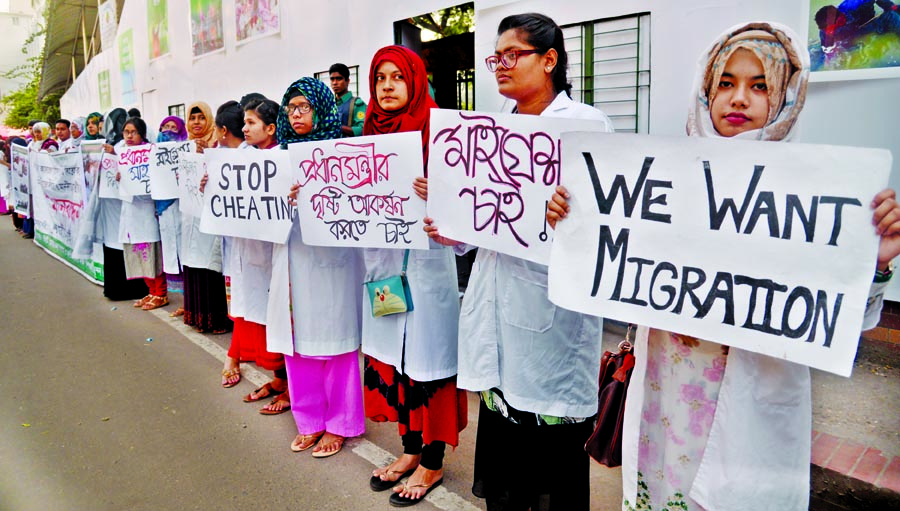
<point>157,285</point>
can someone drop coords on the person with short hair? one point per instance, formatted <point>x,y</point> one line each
<point>351,109</point>
<point>63,135</point>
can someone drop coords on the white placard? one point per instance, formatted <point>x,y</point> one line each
<point>92,152</point>
<point>109,185</point>
<point>134,169</point>
<point>765,246</point>
<point>21,185</point>
<point>490,176</point>
<point>247,194</point>
<point>192,167</point>
<point>359,192</point>
<point>164,161</point>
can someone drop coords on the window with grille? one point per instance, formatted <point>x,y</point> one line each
<point>177,110</point>
<point>324,77</point>
<point>609,67</point>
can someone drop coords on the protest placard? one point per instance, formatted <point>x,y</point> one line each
<point>134,169</point>
<point>60,203</point>
<point>21,184</point>
<point>5,182</point>
<point>490,176</point>
<point>109,185</point>
<point>92,153</point>
<point>247,194</point>
<point>191,171</point>
<point>360,193</point>
<point>164,166</point>
<point>765,246</point>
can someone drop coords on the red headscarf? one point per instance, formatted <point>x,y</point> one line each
<point>415,115</point>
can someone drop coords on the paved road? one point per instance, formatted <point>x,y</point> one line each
<point>95,416</point>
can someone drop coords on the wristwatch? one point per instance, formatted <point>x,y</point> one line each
<point>884,276</point>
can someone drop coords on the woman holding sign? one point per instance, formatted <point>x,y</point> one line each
<point>115,285</point>
<point>139,230</point>
<point>410,373</point>
<point>713,427</point>
<point>250,265</point>
<point>323,372</point>
<point>534,364</point>
<point>171,129</point>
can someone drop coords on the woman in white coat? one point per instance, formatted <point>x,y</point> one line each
<point>535,364</point>
<point>410,374</point>
<point>323,360</point>
<point>708,427</point>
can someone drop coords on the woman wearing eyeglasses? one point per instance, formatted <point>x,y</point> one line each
<point>534,364</point>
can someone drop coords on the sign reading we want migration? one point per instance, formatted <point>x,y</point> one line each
<point>764,246</point>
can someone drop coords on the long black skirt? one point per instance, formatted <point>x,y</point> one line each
<point>205,304</point>
<point>526,466</point>
<point>115,285</point>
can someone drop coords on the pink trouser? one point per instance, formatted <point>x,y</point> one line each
<point>326,394</point>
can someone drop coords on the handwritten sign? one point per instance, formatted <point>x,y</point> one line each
<point>134,169</point>
<point>59,184</point>
<point>246,195</point>
<point>109,185</point>
<point>5,182</point>
<point>360,193</point>
<point>765,246</point>
<point>21,183</point>
<point>164,166</point>
<point>490,176</point>
<point>92,154</point>
<point>191,171</point>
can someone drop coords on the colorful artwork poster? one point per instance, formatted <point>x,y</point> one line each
<point>256,18</point>
<point>207,34</point>
<point>108,24</point>
<point>854,39</point>
<point>126,67</point>
<point>158,27</point>
<point>104,90</point>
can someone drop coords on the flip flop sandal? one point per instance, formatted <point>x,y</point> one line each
<point>280,399</point>
<point>323,454</point>
<point>227,374</point>
<point>397,501</point>
<point>156,302</point>
<point>178,312</point>
<point>379,484</point>
<point>306,441</point>
<point>270,392</point>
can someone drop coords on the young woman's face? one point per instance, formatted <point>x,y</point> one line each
<point>93,127</point>
<point>170,126</point>
<point>742,99</point>
<point>130,133</point>
<point>256,132</point>
<point>530,76</point>
<point>391,88</point>
<point>302,123</point>
<point>197,123</point>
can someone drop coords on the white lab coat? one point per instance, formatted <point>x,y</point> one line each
<point>758,451</point>
<point>423,343</point>
<point>543,358</point>
<point>198,249</point>
<point>138,223</point>
<point>324,288</point>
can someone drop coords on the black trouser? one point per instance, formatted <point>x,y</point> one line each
<point>432,454</point>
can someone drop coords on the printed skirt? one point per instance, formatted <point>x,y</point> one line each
<point>205,303</point>
<point>437,409</point>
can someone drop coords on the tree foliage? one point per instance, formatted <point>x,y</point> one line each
<point>455,20</point>
<point>23,105</point>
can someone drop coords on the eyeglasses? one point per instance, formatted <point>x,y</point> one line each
<point>304,108</point>
<point>509,59</point>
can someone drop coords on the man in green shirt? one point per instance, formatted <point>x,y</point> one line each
<point>352,109</point>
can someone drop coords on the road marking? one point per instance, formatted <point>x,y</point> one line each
<point>440,497</point>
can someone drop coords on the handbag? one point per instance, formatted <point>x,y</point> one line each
<point>391,295</point>
<point>605,444</point>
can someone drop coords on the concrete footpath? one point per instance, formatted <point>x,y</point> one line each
<point>105,407</point>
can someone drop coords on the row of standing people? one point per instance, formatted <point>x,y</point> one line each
<point>535,365</point>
